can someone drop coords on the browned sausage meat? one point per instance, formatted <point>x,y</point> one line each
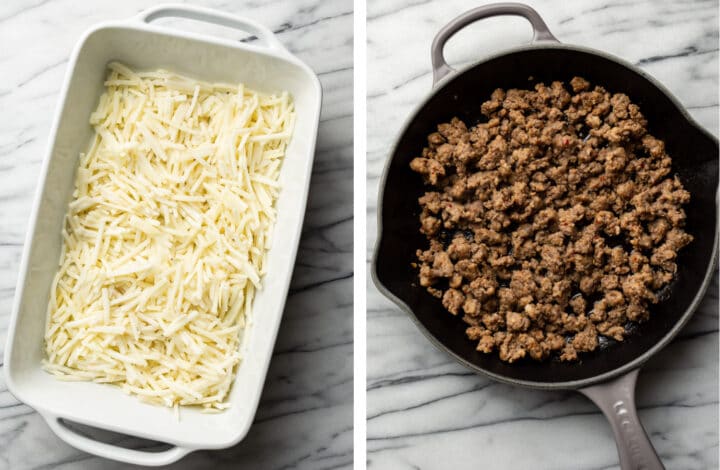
<point>552,224</point>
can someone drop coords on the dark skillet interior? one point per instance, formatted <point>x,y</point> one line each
<point>695,159</point>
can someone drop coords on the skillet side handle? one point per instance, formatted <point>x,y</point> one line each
<point>441,68</point>
<point>616,399</point>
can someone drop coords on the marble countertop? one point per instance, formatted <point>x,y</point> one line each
<point>424,410</point>
<point>305,417</point>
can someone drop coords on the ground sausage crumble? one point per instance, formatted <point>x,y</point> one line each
<point>553,224</point>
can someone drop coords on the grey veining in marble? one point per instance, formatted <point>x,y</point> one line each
<point>424,410</point>
<point>305,417</point>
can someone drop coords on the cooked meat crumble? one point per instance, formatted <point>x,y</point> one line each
<point>551,225</point>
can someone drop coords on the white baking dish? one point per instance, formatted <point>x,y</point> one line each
<point>264,65</point>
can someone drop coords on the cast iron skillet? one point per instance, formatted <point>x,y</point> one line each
<point>608,376</point>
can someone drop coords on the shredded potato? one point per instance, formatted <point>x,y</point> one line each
<point>166,235</point>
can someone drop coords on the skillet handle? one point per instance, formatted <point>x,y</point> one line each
<point>441,67</point>
<point>616,399</point>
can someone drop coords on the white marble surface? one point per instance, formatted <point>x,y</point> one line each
<point>305,417</point>
<point>427,412</point>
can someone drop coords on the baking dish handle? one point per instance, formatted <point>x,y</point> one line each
<point>616,399</point>
<point>441,68</point>
<point>266,37</point>
<point>110,451</point>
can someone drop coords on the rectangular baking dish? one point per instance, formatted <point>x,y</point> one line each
<point>264,65</point>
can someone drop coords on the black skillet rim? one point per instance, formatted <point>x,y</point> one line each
<point>572,384</point>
